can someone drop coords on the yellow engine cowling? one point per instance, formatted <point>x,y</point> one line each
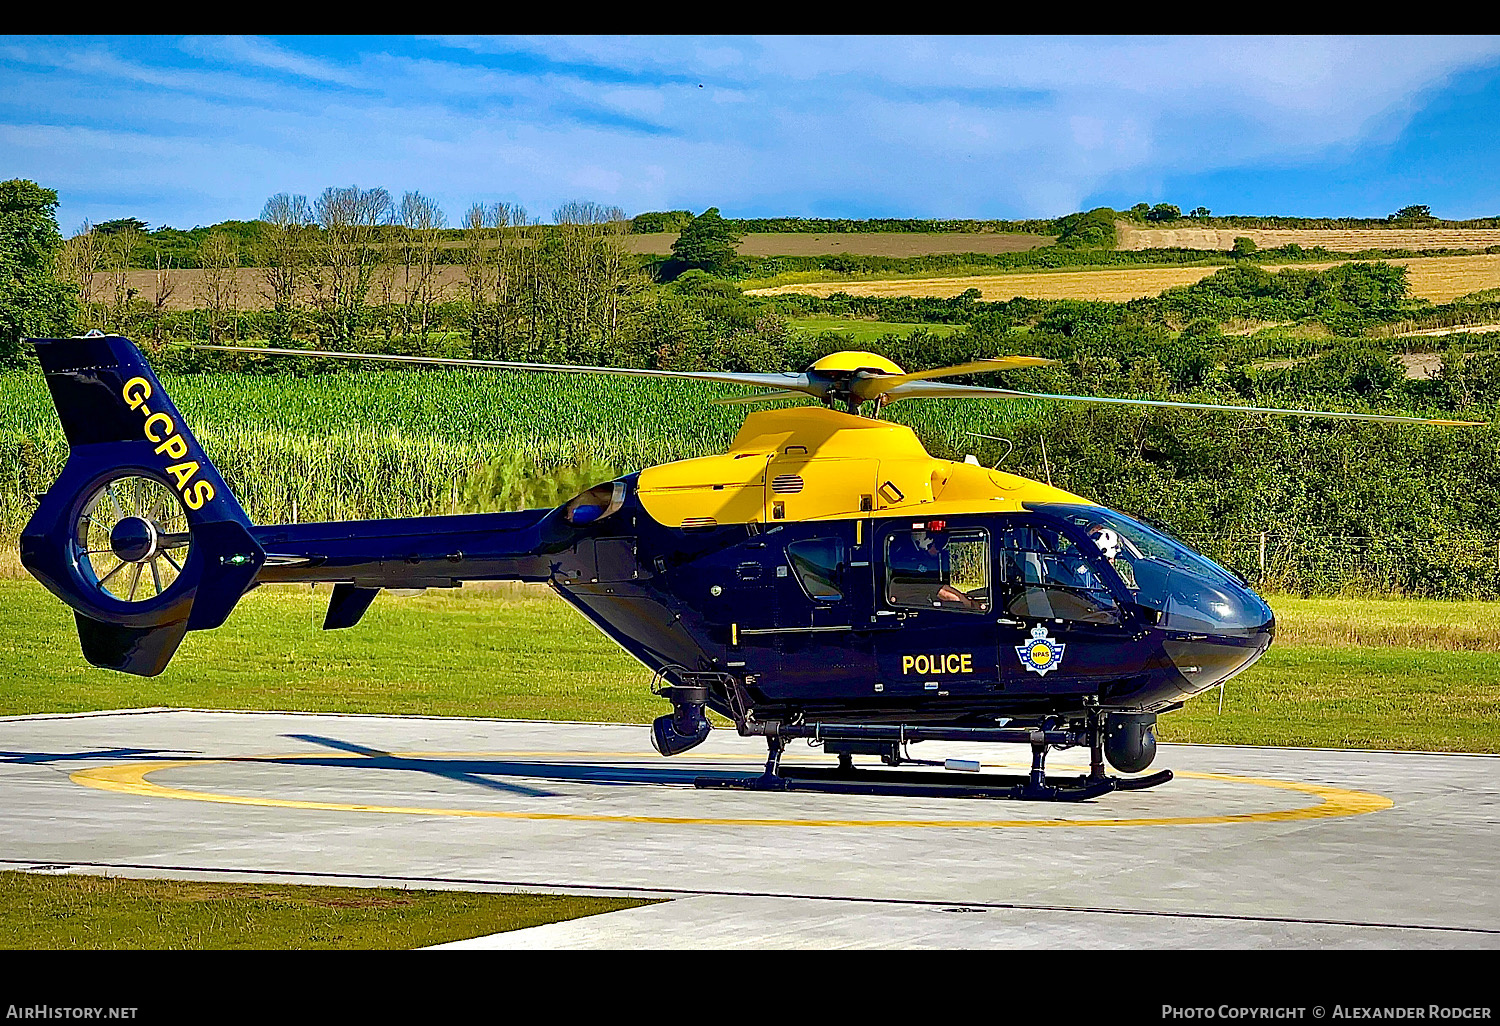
<point>811,463</point>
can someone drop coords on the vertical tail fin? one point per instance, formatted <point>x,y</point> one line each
<point>139,535</point>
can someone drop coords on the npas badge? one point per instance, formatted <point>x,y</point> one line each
<point>1041,653</point>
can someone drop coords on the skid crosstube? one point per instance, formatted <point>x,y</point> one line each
<point>933,785</point>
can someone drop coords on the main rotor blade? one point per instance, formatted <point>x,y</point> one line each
<point>923,390</point>
<point>799,382</point>
<point>867,388</point>
<point>761,397</point>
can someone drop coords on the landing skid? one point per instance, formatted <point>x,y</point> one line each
<point>934,785</point>
<point>889,742</point>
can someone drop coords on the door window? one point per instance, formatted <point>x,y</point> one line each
<point>819,565</point>
<point>938,570</point>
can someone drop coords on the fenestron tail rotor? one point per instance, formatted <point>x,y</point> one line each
<point>131,538</point>
<point>852,378</point>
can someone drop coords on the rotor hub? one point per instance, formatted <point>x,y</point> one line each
<point>134,539</point>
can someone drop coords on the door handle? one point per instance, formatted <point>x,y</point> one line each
<point>1010,623</point>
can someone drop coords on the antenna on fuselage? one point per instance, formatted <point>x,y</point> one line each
<point>996,438</point>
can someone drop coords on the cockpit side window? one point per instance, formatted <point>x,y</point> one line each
<point>819,565</point>
<point>1047,576</point>
<point>938,570</point>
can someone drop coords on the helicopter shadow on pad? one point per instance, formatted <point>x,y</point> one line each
<point>481,772</point>
<point>40,758</point>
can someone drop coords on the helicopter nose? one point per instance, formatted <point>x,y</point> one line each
<point>1207,661</point>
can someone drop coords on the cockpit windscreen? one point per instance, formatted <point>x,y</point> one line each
<point>1191,591</point>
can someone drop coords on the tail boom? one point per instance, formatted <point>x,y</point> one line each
<point>414,552</point>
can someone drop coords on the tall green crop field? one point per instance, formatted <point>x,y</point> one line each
<point>376,444</point>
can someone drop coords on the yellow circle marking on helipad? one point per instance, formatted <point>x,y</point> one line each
<point>130,778</point>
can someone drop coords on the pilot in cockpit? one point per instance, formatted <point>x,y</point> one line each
<point>931,560</point>
<point>1115,550</point>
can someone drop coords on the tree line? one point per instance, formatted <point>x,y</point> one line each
<point>140,246</point>
<point>355,262</point>
<point>358,268</point>
<point>131,242</point>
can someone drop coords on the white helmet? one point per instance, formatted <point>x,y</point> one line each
<point>1108,542</point>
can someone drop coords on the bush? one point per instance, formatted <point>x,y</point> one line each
<point>32,301</point>
<point>660,221</point>
<point>1093,228</point>
<point>707,243</point>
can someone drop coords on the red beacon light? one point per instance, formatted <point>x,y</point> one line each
<point>937,525</point>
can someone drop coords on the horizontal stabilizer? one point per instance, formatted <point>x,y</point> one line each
<point>347,606</point>
<point>143,651</point>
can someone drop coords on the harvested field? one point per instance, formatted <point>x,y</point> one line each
<point>1454,330</point>
<point>1345,241</point>
<point>1108,284</point>
<point>1416,366</point>
<point>253,293</point>
<point>1439,279</point>
<point>1421,366</point>
<point>252,287</point>
<point>891,244</point>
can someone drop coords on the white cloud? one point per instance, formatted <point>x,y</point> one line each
<point>261,53</point>
<point>970,126</point>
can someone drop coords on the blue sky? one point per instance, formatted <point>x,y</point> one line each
<point>194,130</point>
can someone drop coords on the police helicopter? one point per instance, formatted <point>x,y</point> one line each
<point>825,578</point>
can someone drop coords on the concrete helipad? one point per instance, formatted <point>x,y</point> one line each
<point>1247,847</point>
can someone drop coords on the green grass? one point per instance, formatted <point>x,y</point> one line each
<point>863,331</point>
<point>510,652</point>
<point>1352,697</point>
<point>1344,673</point>
<point>1362,673</point>
<point>40,912</point>
<point>1408,623</point>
